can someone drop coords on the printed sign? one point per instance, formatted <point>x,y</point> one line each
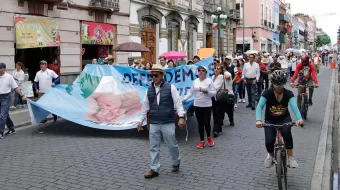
<point>97,33</point>
<point>110,97</point>
<point>34,32</point>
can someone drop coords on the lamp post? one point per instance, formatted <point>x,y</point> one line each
<point>219,14</point>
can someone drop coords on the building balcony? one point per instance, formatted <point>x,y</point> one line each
<point>284,18</point>
<point>234,14</point>
<point>265,23</point>
<point>269,24</point>
<point>273,26</point>
<point>104,5</point>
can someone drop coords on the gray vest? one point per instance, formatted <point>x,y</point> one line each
<point>164,112</point>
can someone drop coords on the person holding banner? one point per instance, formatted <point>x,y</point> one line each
<point>7,83</point>
<point>43,81</point>
<point>203,89</point>
<point>161,101</point>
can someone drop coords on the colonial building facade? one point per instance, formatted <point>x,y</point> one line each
<point>71,31</point>
<point>166,25</point>
<point>228,30</point>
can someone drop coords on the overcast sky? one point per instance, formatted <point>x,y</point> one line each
<point>319,9</point>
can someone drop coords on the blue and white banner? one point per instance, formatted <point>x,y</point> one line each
<point>109,97</point>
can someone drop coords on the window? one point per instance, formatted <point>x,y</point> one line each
<point>266,14</point>
<point>238,6</point>
<point>270,16</point>
<point>173,35</point>
<point>262,13</point>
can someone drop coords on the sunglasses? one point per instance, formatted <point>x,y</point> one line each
<point>154,75</point>
<point>201,70</point>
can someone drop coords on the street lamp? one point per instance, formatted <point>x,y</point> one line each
<point>219,14</point>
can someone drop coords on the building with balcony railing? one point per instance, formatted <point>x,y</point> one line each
<point>259,26</point>
<point>71,32</point>
<point>166,25</point>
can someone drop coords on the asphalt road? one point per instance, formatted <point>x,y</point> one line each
<point>70,156</point>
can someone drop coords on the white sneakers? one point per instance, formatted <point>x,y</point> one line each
<point>235,106</point>
<point>269,161</point>
<point>292,163</point>
<point>242,100</point>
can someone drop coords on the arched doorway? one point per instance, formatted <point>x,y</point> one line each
<point>148,39</point>
<point>173,23</point>
<point>149,18</point>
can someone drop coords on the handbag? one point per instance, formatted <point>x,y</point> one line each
<point>148,113</point>
<point>222,95</point>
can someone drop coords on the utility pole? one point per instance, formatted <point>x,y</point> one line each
<point>243,48</point>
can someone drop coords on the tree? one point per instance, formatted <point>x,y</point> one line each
<point>322,40</point>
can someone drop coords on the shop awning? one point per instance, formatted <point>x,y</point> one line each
<point>276,42</point>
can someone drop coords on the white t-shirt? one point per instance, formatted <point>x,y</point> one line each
<point>201,99</point>
<point>19,77</point>
<point>7,83</point>
<point>44,78</point>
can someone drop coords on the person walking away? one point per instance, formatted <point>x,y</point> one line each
<point>7,83</point>
<point>251,74</point>
<point>222,80</point>
<point>237,82</point>
<point>161,100</point>
<point>19,77</point>
<point>316,61</point>
<point>43,82</point>
<point>277,100</point>
<point>203,89</point>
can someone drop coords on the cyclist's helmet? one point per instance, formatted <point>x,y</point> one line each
<point>278,79</point>
<point>305,60</point>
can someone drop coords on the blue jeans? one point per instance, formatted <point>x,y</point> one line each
<point>236,89</point>
<point>167,133</point>
<point>5,100</point>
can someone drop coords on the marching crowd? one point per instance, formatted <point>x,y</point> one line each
<point>262,76</point>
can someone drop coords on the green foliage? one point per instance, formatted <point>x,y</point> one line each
<point>322,40</point>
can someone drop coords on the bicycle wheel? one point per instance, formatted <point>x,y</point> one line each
<point>304,107</point>
<point>281,169</point>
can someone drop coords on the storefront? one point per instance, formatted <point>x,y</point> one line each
<point>98,40</point>
<point>247,44</point>
<point>37,38</point>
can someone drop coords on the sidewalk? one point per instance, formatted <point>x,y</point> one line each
<point>20,117</point>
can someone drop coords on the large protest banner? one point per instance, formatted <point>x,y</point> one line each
<point>109,97</point>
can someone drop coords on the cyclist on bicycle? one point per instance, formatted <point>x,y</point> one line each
<point>307,75</point>
<point>277,100</point>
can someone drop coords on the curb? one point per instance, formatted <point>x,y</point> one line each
<point>321,179</point>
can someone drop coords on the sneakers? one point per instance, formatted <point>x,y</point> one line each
<point>310,102</point>
<point>292,163</point>
<point>243,100</point>
<point>240,100</point>
<point>201,145</point>
<point>10,132</point>
<point>269,161</point>
<point>211,142</point>
<point>1,136</point>
<point>235,106</point>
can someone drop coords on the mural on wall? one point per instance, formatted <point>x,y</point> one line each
<point>97,33</point>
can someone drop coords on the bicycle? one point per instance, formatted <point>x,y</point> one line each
<point>304,100</point>
<point>280,155</point>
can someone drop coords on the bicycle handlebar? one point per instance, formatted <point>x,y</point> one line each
<point>279,125</point>
<point>303,85</point>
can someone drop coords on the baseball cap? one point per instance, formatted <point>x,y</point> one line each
<point>2,65</point>
<point>43,62</point>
